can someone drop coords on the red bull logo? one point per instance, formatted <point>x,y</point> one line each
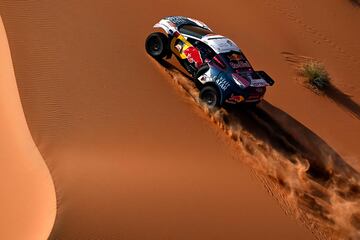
<point>194,56</point>
<point>235,99</point>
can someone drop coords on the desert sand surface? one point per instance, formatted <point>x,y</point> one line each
<point>133,156</point>
<point>28,202</point>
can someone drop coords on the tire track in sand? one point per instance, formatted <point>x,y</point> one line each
<point>317,36</point>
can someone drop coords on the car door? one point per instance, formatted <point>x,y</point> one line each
<point>178,45</point>
<point>193,53</point>
<point>182,47</point>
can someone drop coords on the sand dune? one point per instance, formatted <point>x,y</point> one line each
<point>28,204</point>
<point>132,158</point>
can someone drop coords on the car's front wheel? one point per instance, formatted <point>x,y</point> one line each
<point>157,45</point>
<point>210,96</point>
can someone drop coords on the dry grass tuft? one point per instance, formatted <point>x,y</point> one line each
<point>316,77</point>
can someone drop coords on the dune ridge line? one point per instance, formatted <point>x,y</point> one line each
<point>28,200</point>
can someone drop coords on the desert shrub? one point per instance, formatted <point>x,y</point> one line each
<point>315,75</point>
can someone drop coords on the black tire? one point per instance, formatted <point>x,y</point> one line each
<point>210,96</point>
<point>157,45</point>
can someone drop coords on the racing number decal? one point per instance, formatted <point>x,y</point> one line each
<point>178,45</point>
<point>185,50</point>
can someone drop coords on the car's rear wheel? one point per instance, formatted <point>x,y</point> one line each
<point>210,97</point>
<point>157,45</point>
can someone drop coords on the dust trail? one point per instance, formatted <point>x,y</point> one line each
<point>309,179</point>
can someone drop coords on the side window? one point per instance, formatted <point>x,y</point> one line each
<point>208,52</point>
<point>192,41</point>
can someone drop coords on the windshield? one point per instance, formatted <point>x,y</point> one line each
<point>236,60</point>
<point>195,31</point>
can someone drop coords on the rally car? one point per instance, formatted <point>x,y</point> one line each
<point>218,66</point>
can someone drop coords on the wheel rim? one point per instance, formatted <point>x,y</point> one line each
<point>155,45</point>
<point>209,98</point>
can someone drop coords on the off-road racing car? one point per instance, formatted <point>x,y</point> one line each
<point>218,66</point>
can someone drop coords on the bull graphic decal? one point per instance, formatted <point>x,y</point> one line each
<point>193,55</point>
<point>185,50</point>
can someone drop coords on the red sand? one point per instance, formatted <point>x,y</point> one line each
<point>128,156</point>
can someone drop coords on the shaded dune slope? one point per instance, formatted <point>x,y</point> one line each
<point>28,203</point>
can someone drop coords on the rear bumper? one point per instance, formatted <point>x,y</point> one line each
<point>253,100</point>
<point>240,99</point>
<point>251,95</point>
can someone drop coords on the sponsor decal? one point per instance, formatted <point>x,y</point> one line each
<point>193,55</point>
<point>204,78</point>
<point>239,64</point>
<point>234,57</point>
<point>237,61</point>
<point>221,44</point>
<point>236,99</point>
<point>171,24</point>
<point>258,83</point>
<point>179,44</point>
<point>240,80</point>
<point>185,50</point>
<point>179,20</point>
<point>179,47</point>
<point>222,83</point>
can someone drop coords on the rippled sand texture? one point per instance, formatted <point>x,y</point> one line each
<point>135,156</point>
